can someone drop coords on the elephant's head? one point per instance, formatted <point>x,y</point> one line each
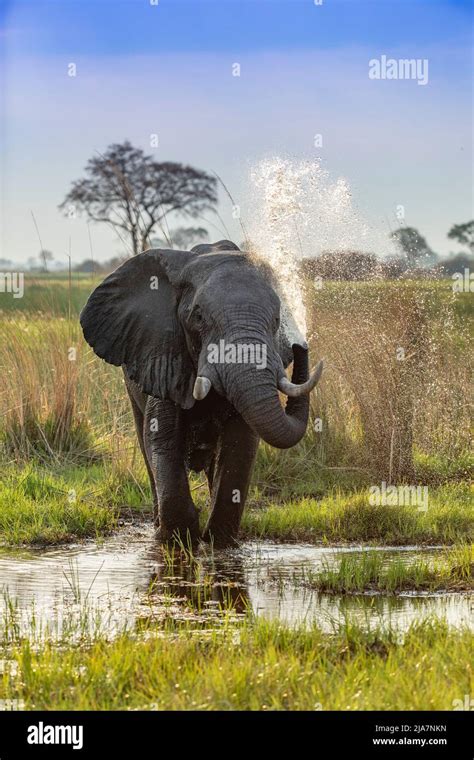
<point>183,322</point>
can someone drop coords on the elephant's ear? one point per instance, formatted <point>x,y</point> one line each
<point>131,320</point>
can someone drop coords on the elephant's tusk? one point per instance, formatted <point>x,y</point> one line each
<point>292,390</point>
<point>202,386</point>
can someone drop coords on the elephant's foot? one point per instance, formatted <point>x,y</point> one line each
<point>220,536</point>
<point>181,530</point>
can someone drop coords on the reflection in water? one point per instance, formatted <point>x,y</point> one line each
<point>202,583</point>
<point>129,579</point>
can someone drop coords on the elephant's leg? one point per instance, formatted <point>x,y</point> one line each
<point>165,436</point>
<point>234,462</point>
<point>139,418</point>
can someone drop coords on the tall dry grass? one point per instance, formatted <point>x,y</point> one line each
<point>397,374</point>
<point>57,400</point>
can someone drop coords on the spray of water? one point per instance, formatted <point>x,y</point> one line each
<point>298,211</point>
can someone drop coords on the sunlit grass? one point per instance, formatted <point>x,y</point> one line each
<point>54,504</point>
<point>41,507</point>
<point>50,293</point>
<point>68,412</point>
<point>350,517</point>
<point>257,665</point>
<point>370,571</point>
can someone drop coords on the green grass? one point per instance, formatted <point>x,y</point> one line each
<point>436,468</point>
<point>371,572</point>
<point>49,293</point>
<point>44,507</point>
<point>299,472</point>
<point>258,666</point>
<point>71,419</point>
<point>340,517</point>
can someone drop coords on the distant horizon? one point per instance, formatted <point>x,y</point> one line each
<point>56,266</point>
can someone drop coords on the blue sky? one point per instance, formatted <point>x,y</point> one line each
<point>166,69</point>
<point>110,27</point>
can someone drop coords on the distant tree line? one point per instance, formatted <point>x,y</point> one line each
<point>416,258</point>
<point>136,196</point>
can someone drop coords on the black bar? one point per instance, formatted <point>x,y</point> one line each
<point>138,734</point>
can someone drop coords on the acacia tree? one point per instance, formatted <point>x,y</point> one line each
<point>133,193</point>
<point>463,233</point>
<point>45,256</point>
<point>183,237</point>
<point>414,247</point>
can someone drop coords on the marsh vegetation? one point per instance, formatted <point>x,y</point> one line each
<point>71,473</point>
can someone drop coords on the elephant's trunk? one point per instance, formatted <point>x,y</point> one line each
<point>254,394</point>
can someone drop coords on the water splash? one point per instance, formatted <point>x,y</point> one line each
<point>298,211</point>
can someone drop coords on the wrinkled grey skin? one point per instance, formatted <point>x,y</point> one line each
<point>155,316</point>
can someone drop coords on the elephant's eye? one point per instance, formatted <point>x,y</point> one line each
<point>276,323</point>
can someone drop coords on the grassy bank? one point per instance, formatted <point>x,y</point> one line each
<point>340,517</point>
<point>260,666</point>
<point>454,571</point>
<point>46,505</point>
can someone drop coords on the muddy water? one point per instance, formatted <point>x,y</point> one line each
<point>126,580</point>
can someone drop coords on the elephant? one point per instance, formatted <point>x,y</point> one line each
<point>203,338</point>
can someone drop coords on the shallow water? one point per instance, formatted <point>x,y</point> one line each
<point>126,579</point>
